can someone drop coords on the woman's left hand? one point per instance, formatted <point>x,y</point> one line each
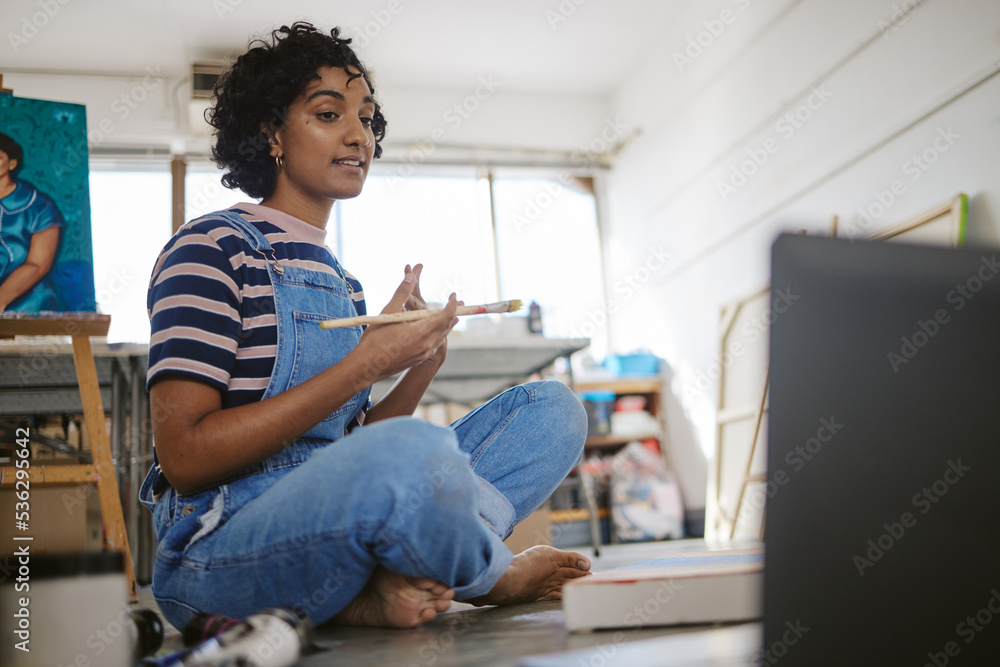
<point>405,395</point>
<point>416,302</point>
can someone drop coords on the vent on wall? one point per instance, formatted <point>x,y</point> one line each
<point>203,78</point>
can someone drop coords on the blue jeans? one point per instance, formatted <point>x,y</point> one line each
<point>308,526</point>
<point>418,499</point>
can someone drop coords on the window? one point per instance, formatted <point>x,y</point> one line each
<point>546,239</point>
<point>550,252</point>
<point>441,222</point>
<point>130,218</point>
<point>204,192</point>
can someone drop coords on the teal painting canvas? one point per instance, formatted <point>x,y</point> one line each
<point>46,252</point>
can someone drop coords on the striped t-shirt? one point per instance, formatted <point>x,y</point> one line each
<point>211,303</point>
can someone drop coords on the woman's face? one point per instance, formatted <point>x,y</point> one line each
<point>7,165</point>
<point>327,142</point>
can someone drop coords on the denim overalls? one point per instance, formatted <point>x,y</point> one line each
<point>308,526</point>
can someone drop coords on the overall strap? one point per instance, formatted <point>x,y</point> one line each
<point>253,236</point>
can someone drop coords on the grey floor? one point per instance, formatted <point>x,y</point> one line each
<point>531,635</point>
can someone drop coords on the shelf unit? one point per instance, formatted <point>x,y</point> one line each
<point>605,442</point>
<point>651,389</point>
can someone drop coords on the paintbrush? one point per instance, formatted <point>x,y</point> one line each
<point>410,315</point>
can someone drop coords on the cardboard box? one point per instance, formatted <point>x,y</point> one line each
<point>64,518</point>
<point>534,530</point>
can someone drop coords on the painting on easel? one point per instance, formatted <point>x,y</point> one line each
<point>46,254</point>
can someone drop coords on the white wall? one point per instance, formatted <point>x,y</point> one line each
<point>141,108</point>
<point>869,94</point>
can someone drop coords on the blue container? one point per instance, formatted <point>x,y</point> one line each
<point>623,365</point>
<point>599,406</point>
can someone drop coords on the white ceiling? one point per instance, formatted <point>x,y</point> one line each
<point>580,47</point>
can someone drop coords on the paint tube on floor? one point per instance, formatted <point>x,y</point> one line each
<point>274,637</point>
<point>148,629</point>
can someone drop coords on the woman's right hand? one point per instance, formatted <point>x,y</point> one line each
<point>389,349</point>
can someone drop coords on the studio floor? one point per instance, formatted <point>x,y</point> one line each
<point>531,634</point>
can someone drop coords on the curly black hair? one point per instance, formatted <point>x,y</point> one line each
<point>258,89</point>
<point>13,150</point>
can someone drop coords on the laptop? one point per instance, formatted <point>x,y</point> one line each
<point>882,526</point>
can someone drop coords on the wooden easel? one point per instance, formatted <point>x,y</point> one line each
<point>80,327</point>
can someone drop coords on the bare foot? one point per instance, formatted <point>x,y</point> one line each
<point>536,574</point>
<point>392,600</point>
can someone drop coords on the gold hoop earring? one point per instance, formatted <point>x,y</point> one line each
<point>279,161</point>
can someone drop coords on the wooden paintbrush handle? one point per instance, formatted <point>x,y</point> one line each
<point>360,320</point>
<point>410,315</point>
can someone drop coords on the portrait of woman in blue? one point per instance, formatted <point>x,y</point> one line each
<point>30,227</point>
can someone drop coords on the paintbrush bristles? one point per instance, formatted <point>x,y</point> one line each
<point>410,315</point>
